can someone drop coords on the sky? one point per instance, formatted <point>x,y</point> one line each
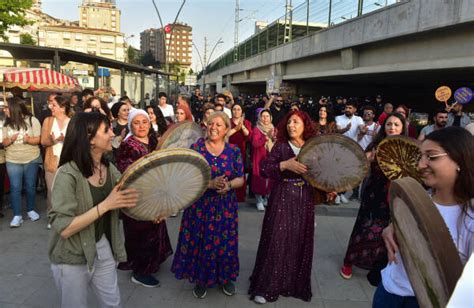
<point>213,19</point>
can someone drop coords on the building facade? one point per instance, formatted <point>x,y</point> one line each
<point>178,40</point>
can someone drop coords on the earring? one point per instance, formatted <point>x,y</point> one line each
<point>458,169</point>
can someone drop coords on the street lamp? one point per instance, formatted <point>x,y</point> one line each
<point>206,63</point>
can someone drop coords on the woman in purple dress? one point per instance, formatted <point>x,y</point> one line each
<point>206,253</point>
<point>147,242</point>
<point>285,251</point>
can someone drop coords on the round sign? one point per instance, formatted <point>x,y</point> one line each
<point>443,93</point>
<point>463,95</point>
<point>167,28</point>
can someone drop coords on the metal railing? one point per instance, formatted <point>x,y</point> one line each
<point>305,19</point>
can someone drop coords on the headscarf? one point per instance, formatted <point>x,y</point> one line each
<point>268,130</point>
<point>116,108</point>
<point>133,113</point>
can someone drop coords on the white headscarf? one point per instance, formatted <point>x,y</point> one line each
<point>133,113</point>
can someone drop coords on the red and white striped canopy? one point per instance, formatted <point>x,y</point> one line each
<point>38,79</point>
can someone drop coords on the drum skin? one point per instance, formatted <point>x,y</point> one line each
<point>181,135</point>
<point>336,163</point>
<point>398,157</point>
<point>430,257</point>
<point>167,180</point>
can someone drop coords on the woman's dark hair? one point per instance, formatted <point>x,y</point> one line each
<point>18,114</point>
<point>382,133</point>
<point>459,144</point>
<point>160,119</point>
<point>330,114</point>
<point>77,144</point>
<point>64,103</point>
<point>103,105</point>
<point>309,128</point>
<point>237,104</point>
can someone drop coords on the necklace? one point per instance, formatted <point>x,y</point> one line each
<point>101,180</point>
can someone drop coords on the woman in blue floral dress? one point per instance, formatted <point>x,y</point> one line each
<point>207,250</point>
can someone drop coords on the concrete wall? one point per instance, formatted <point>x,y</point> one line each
<point>410,35</point>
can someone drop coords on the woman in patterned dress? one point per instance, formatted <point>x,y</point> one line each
<point>285,252</point>
<point>147,242</point>
<point>366,248</point>
<point>207,250</point>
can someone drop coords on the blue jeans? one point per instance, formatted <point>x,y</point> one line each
<point>384,299</point>
<point>18,173</point>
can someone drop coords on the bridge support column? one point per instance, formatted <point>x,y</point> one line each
<point>276,77</point>
<point>349,58</point>
<point>230,87</point>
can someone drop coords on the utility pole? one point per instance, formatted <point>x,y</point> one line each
<point>205,53</point>
<point>236,31</point>
<point>288,22</point>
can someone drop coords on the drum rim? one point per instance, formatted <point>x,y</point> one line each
<point>331,137</point>
<point>189,154</point>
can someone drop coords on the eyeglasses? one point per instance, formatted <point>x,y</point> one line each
<point>432,157</point>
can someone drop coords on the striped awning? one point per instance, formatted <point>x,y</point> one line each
<point>38,79</point>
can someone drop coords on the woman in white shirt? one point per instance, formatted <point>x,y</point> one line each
<point>447,167</point>
<point>52,139</point>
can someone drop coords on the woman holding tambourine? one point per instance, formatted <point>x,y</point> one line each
<point>366,248</point>
<point>447,167</point>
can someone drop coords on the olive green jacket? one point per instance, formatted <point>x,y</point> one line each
<point>71,197</point>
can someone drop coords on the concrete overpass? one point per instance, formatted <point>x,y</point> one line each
<point>405,50</point>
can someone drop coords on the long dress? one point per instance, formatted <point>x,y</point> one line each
<point>240,140</point>
<point>207,250</point>
<point>366,248</point>
<point>285,252</point>
<point>147,244</point>
<point>259,185</point>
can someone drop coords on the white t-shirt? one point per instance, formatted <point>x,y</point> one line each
<point>394,277</point>
<point>342,122</point>
<point>167,110</point>
<point>369,136</point>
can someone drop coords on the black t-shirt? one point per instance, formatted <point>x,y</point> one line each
<point>277,115</point>
<point>117,128</point>
<point>457,121</point>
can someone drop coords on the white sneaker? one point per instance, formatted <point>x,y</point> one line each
<point>344,199</point>
<point>259,300</point>
<point>260,207</point>
<point>337,200</point>
<point>48,226</point>
<point>33,215</point>
<point>16,222</point>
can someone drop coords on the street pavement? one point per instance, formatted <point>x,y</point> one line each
<point>26,280</point>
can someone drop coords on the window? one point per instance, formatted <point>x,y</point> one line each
<point>78,37</point>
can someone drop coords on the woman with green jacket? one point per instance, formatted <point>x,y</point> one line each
<point>85,243</point>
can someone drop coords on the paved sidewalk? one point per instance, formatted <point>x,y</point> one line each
<point>26,281</point>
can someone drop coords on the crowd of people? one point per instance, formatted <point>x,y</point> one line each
<point>252,144</point>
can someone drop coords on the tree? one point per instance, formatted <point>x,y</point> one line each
<point>27,39</point>
<point>191,72</point>
<point>12,13</point>
<point>148,59</point>
<point>133,55</point>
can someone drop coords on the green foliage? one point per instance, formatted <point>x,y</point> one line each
<point>26,39</point>
<point>148,59</point>
<point>133,55</point>
<point>12,12</point>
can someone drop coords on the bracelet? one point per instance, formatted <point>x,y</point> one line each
<point>98,213</point>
